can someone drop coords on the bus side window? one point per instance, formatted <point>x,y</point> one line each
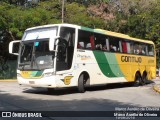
<point>98,47</point>
<point>150,50</point>
<point>91,42</point>
<point>101,42</point>
<point>113,48</point>
<point>136,48</point>
<point>140,48</point>
<point>143,49</point>
<point>88,46</point>
<point>131,48</point>
<point>126,47</point>
<point>80,45</point>
<point>85,40</point>
<point>146,49</point>
<point>114,43</point>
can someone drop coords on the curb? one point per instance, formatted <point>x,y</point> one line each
<point>156,88</point>
<point>8,80</point>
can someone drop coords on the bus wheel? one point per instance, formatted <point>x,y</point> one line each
<point>144,78</point>
<point>81,84</point>
<point>138,80</point>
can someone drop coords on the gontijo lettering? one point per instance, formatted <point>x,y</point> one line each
<point>131,59</point>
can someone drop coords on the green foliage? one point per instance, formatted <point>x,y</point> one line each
<point>145,23</point>
<point>138,18</point>
<point>17,19</point>
<point>131,17</point>
<point>76,14</point>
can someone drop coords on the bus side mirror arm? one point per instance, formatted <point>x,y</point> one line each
<point>11,45</point>
<point>53,42</point>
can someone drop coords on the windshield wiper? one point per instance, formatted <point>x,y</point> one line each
<point>33,59</point>
<point>23,64</point>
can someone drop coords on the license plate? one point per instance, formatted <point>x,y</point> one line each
<point>31,82</point>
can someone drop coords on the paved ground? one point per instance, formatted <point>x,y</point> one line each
<point>105,98</point>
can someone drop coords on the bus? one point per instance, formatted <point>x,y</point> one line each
<point>67,55</point>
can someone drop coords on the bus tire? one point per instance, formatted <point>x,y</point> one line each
<point>81,83</point>
<point>138,80</point>
<point>144,78</point>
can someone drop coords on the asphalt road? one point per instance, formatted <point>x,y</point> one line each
<point>105,98</point>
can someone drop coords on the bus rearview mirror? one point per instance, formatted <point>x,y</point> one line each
<point>53,43</point>
<point>14,47</point>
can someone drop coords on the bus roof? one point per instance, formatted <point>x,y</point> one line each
<point>124,36</point>
<point>106,32</point>
<point>52,25</point>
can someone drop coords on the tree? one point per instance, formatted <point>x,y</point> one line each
<point>15,19</point>
<point>76,14</point>
<point>22,2</point>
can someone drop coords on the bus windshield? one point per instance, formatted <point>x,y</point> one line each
<point>34,49</point>
<point>35,54</point>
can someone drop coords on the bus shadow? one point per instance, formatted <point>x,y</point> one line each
<point>149,82</point>
<point>118,86</point>
<point>57,91</point>
<point>74,90</point>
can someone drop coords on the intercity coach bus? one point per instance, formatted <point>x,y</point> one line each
<point>66,55</point>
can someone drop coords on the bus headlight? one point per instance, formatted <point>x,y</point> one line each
<point>48,74</point>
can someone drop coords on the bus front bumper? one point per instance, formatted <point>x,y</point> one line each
<point>47,82</point>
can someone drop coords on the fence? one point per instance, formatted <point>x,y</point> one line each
<point>8,69</point>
